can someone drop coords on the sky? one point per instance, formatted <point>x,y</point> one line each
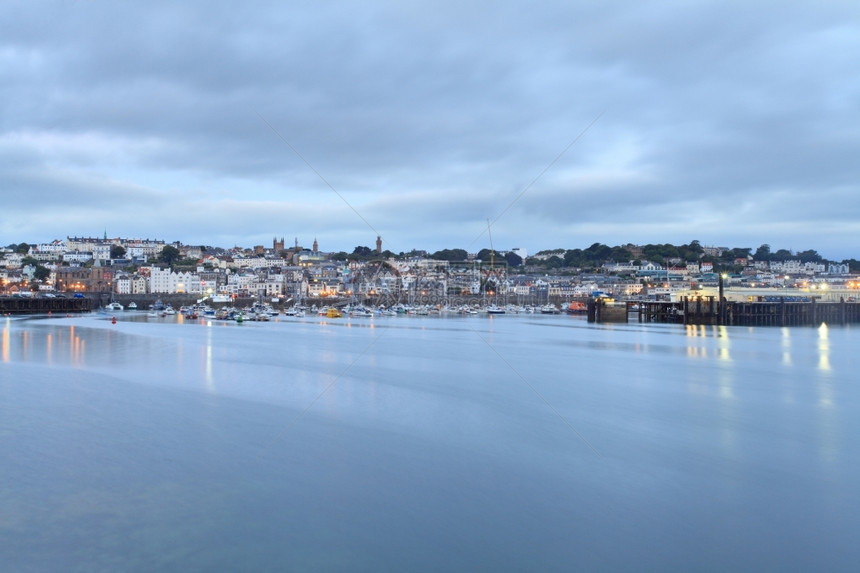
<point>435,125</point>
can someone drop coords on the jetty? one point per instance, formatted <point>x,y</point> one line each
<point>29,305</point>
<point>763,311</point>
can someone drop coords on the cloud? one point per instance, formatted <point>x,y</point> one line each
<point>721,121</point>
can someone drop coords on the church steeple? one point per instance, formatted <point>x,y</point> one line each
<point>316,246</point>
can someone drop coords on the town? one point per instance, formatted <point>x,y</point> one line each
<point>292,274</point>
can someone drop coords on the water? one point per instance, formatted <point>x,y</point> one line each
<point>511,443</point>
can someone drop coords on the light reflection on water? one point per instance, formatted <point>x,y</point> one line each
<point>5,340</point>
<point>823,348</point>
<point>410,444</point>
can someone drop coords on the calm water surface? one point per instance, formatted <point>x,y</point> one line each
<point>507,443</point>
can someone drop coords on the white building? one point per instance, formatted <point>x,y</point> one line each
<point>12,260</point>
<point>624,267</point>
<point>169,282</point>
<point>79,257</point>
<point>130,284</point>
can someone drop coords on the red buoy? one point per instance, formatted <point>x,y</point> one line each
<point>113,320</point>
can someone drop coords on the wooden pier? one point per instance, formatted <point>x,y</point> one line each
<point>15,305</point>
<point>778,311</point>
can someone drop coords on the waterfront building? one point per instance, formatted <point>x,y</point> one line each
<point>126,283</point>
<point>166,281</point>
<point>83,279</point>
<point>324,287</point>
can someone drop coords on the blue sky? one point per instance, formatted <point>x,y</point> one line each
<point>563,123</point>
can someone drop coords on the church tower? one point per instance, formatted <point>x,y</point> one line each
<point>378,245</point>
<point>316,246</point>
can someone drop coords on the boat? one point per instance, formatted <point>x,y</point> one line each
<point>493,309</point>
<point>360,311</point>
<point>132,306</point>
<point>549,309</point>
<point>189,312</point>
<point>332,312</point>
<point>114,306</point>
<point>576,307</point>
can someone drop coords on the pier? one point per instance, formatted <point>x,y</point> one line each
<point>777,311</point>
<point>16,305</point>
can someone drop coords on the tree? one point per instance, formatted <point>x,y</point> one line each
<point>450,255</point>
<point>42,273</point>
<point>573,258</point>
<point>513,259</point>
<point>168,254</point>
<point>362,252</point>
<point>620,254</point>
<point>781,255</point>
<point>117,251</point>
<point>762,253</point>
<point>22,249</point>
<point>486,254</point>
<point>554,262</point>
<point>737,253</point>
<point>29,261</point>
<point>809,256</point>
<point>598,252</point>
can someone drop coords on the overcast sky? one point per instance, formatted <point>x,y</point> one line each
<point>563,123</point>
